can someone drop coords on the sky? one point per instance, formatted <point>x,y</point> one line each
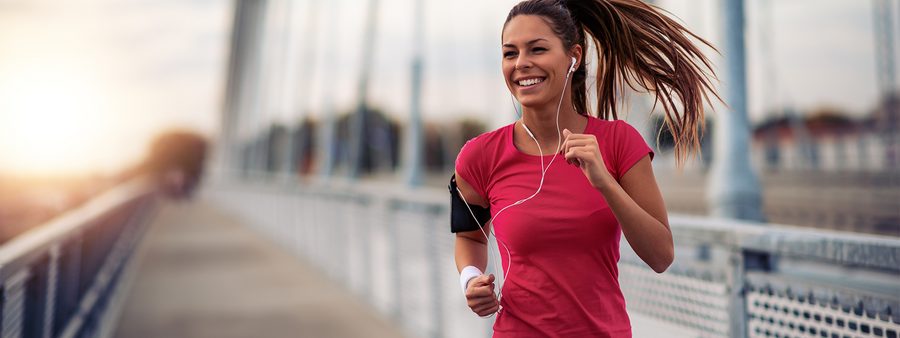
<point>85,84</point>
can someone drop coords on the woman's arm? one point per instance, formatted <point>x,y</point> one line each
<point>638,205</point>
<point>635,200</point>
<point>471,246</point>
<point>471,249</point>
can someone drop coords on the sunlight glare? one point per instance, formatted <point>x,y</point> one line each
<point>49,117</point>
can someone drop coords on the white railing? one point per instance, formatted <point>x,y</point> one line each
<point>61,278</point>
<point>392,247</point>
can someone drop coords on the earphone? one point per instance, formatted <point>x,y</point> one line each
<point>540,185</point>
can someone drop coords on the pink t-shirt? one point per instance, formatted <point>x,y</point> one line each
<point>564,242</point>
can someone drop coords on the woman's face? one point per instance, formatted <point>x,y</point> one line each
<point>535,62</point>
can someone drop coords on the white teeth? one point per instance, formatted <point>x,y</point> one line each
<point>530,82</point>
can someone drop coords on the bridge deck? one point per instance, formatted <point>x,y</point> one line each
<point>202,274</point>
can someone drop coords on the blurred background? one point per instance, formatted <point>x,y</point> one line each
<point>269,168</point>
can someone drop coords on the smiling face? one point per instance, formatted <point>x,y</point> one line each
<point>535,61</point>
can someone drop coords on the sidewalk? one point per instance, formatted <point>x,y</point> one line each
<point>203,274</point>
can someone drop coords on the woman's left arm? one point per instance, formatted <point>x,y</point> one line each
<point>639,207</point>
<point>635,200</point>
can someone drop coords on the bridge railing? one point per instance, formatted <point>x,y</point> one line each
<point>392,247</point>
<point>61,278</point>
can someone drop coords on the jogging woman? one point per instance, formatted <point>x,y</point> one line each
<point>559,186</point>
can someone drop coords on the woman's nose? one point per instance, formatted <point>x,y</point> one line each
<point>522,62</point>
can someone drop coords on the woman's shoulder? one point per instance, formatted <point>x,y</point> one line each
<point>610,129</point>
<point>488,140</point>
<point>483,147</point>
<point>622,144</point>
<point>478,156</point>
<point>493,137</point>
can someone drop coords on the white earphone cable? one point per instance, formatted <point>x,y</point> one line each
<point>502,281</point>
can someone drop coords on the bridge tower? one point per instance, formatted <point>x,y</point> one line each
<point>734,189</point>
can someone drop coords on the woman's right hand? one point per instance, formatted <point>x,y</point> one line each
<point>480,295</point>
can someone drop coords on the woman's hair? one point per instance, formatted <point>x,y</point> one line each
<point>637,45</point>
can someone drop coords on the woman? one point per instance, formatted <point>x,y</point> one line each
<point>557,225</point>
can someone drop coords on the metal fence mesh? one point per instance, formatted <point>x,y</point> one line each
<point>773,314</point>
<point>684,300</point>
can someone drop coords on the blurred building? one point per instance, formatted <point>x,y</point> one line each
<point>828,140</point>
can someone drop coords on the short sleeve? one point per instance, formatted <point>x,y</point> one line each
<point>470,166</point>
<point>629,147</point>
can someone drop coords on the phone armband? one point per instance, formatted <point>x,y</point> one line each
<point>461,219</point>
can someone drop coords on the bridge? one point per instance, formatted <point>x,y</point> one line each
<point>267,249</point>
<point>276,258</point>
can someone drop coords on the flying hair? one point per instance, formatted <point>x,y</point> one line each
<point>637,45</point>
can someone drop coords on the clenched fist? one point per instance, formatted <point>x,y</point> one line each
<point>480,295</point>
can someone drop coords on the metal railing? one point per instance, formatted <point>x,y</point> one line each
<point>392,247</point>
<point>61,278</point>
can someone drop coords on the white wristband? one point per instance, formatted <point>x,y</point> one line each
<point>467,274</point>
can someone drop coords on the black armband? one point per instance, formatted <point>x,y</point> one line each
<point>460,218</point>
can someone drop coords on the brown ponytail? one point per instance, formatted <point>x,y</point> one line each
<point>637,45</point>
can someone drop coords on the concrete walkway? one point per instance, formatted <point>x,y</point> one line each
<point>201,273</point>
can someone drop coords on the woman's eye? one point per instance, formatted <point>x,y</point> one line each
<point>509,54</point>
<point>539,49</point>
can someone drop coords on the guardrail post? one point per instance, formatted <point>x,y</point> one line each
<point>341,239</point>
<point>737,296</point>
<point>364,206</point>
<point>434,262</point>
<point>67,286</point>
<point>39,297</point>
<point>743,261</point>
<point>394,259</point>
<point>14,303</point>
<point>2,305</point>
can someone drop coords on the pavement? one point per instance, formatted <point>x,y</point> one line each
<point>202,273</point>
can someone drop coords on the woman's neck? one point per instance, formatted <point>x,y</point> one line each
<point>542,122</point>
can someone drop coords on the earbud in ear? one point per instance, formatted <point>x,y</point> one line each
<point>572,67</point>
